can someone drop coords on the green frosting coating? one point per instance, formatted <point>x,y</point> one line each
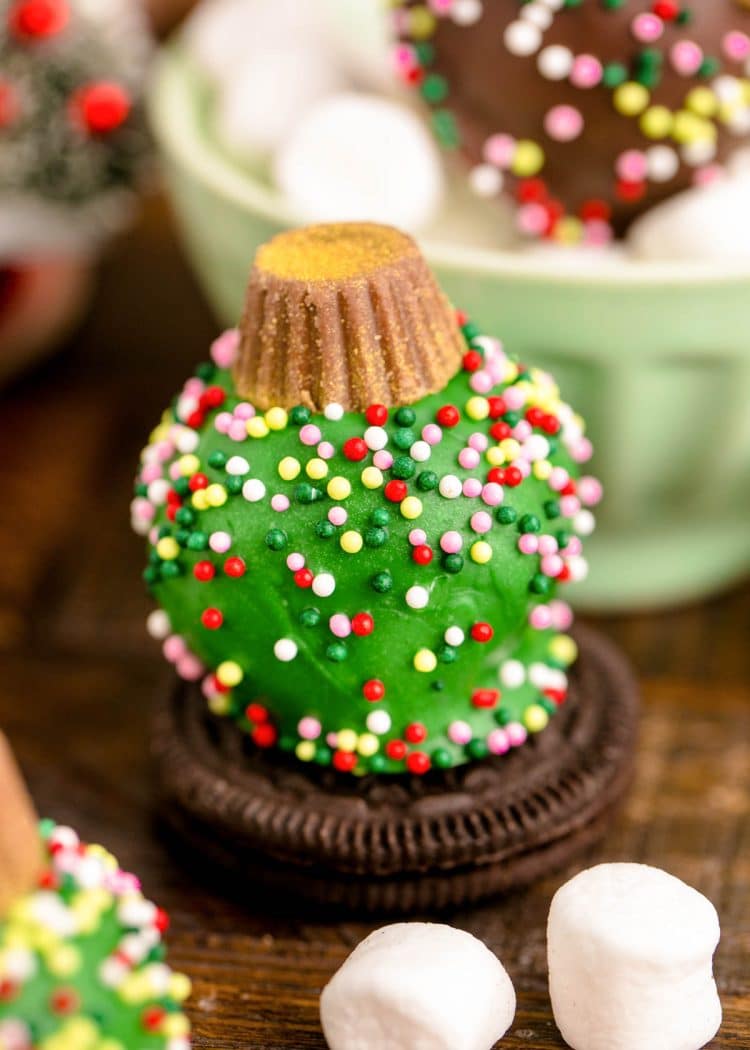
<point>82,959</point>
<point>351,587</point>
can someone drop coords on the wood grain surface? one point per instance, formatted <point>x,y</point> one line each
<point>79,676</point>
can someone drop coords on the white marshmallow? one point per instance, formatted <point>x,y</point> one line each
<point>269,96</point>
<point>630,961</point>
<point>707,223</point>
<point>418,986</point>
<point>361,158</point>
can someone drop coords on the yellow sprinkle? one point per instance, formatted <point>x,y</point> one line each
<point>111,1044</point>
<point>425,660</point>
<point>542,469</point>
<point>66,960</point>
<point>510,371</point>
<point>477,408</point>
<point>656,122</point>
<point>305,750</point>
<point>347,740</point>
<point>535,718</point>
<point>631,99</point>
<point>289,468</point>
<point>188,465</point>
<point>229,673</point>
<point>495,456</point>
<point>421,23</point>
<point>689,128</point>
<point>528,159</point>
<point>175,1025</point>
<point>372,478</point>
<point>563,649</point>
<point>219,703</point>
<point>351,542</point>
<point>339,488</point>
<point>368,744</point>
<point>200,499</point>
<point>510,448</point>
<point>316,469</point>
<point>481,552</point>
<point>276,418</point>
<point>216,495</point>
<point>160,433</point>
<point>168,548</point>
<point>257,427</point>
<point>569,230</point>
<point>179,987</point>
<point>411,507</point>
<point>703,101</point>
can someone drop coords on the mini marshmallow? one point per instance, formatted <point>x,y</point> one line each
<point>418,986</point>
<point>630,961</point>
<point>705,224</point>
<point>361,158</point>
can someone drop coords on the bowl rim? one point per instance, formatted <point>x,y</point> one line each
<point>173,112</point>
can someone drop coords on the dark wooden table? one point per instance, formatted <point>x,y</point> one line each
<point>79,674</point>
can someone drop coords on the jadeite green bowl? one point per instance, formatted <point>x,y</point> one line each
<point>655,356</point>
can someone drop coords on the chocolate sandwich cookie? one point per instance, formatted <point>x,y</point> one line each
<point>407,843</point>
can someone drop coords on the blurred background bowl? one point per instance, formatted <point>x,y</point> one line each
<point>655,356</point>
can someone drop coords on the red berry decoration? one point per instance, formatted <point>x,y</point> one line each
<point>355,449</point>
<point>198,481</point>
<point>472,361</point>
<point>363,624</point>
<point>212,397</point>
<point>102,107</point>
<point>373,690</point>
<point>513,476</point>
<point>38,19</point>
<point>482,632</point>
<point>497,407</point>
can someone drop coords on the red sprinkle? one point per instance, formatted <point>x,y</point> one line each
<point>204,571</point>
<point>395,490</point>
<point>102,107</point>
<point>415,733</point>
<point>482,632</point>
<point>355,449</point>
<point>265,735</point>
<point>373,690</point>
<point>256,713</point>
<point>198,481</point>
<point>377,415</point>
<point>448,416</point>
<point>212,619</point>
<point>39,18</point>
<point>472,361</point>
<point>396,750</point>
<point>513,476</point>
<point>422,554</point>
<point>363,624</point>
<point>303,578</point>
<point>344,761</point>
<point>485,697</point>
<point>152,1018</point>
<point>500,431</point>
<point>418,762</point>
<point>497,407</point>
<point>235,566</point>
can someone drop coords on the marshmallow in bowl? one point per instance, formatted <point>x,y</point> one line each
<point>418,986</point>
<point>357,157</point>
<point>630,951</point>
<point>705,224</point>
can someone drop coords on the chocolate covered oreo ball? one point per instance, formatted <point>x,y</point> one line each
<point>359,514</point>
<point>587,112</point>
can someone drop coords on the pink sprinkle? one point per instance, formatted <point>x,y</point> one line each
<point>337,515</point>
<point>326,450</point>
<point>441,7</point>
<point>417,537</point>
<point>575,546</point>
<point>524,466</point>
<point>647,28</point>
<point>244,410</point>
<point>590,490</point>
<point>151,472</point>
<point>500,150</point>
<point>522,430</point>
<point>562,615</point>
<point>540,618</point>
<point>340,625</point>
<point>383,459</point>
<point>459,732</point>
<point>558,478</point>
<point>569,506</point>
<point>224,349</point>
<point>481,522</point>
<point>310,434</point>
<point>632,165</point>
<point>528,543</point>
<point>237,430</point>
<point>532,219</point>
<point>547,545</point>
<point>220,542</point>
<point>496,368</point>
<point>174,471</point>
<point>516,733</point>
<point>164,451</point>
<point>309,728</point>
<point>468,458</point>
<point>432,434</point>
<point>153,536</point>
<point>582,451</point>
<point>174,648</point>
<point>736,46</point>
<point>280,502</point>
<point>143,510</point>
<point>189,668</point>
<point>223,422</point>
<point>587,71</point>
<point>563,123</point>
<point>479,442</point>
<point>710,174</point>
<point>472,488</point>
<point>552,565</point>
<point>451,542</point>
<point>404,57</point>
<point>493,494</point>
<point>514,398</point>
<point>332,740</point>
<point>498,742</point>
<point>193,388</point>
<point>597,233</point>
<point>295,561</point>
<point>686,57</point>
<point>481,382</point>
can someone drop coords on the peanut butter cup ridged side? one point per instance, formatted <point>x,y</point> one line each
<point>345,313</point>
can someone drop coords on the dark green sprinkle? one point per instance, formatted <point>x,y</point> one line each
<point>477,749</point>
<point>206,370</point>
<point>382,582</point>
<point>234,484</point>
<point>375,537</point>
<point>405,417</point>
<point>506,515</point>
<point>403,438</point>
<point>427,480</point>
<point>185,516</point>
<point>403,467</point>
<point>325,529</point>
<point>198,541</point>
<point>276,539</point>
<point>552,508</point>
<point>170,570</point>
<point>217,459</point>
<point>441,758</point>
<point>447,654</point>
<point>337,652</point>
<point>380,516</point>
<point>540,584</point>
<point>529,523</point>
<point>299,415</point>
<point>323,755</point>
<point>378,763</point>
<point>453,563</point>
<point>310,617</point>
<point>182,536</point>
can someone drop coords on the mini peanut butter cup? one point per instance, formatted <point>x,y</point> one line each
<point>20,849</point>
<point>346,313</point>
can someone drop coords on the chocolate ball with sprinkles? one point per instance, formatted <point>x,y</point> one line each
<point>360,512</point>
<point>81,951</point>
<point>586,112</point>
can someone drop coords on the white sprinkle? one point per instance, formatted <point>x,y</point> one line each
<point>486,180</point>
<point>157,491</point>
<point>420,451</point>
<point>334,411</point>
<point>253,490</point>
<point>454,636</point>
<point>379,722</point>
<point>376,438</point>
<point>157,624</point>
<point>417,597</point>
<point>237,465</point>
<point>584,523</point>
<point>522,38</point>
<point>285,650</point>
<point>324,585</point>
<point>512,674</point>
<point>450,486</point>
<point>555,62</point>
